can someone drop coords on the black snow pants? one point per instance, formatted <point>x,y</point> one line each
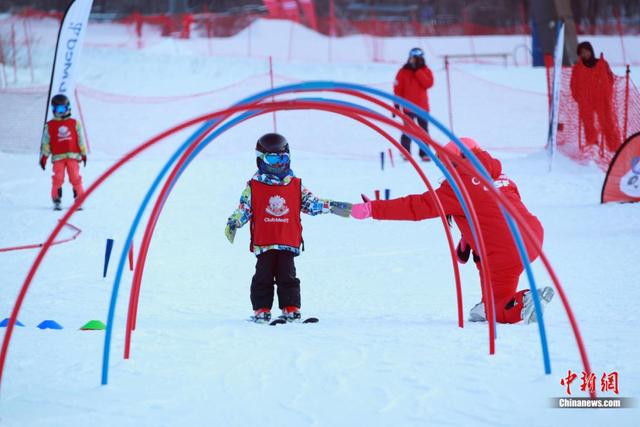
<point>406,141</point>
<point>275,267</point>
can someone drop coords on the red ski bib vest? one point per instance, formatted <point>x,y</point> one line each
<point>275,217</point>
<point>63,137</point>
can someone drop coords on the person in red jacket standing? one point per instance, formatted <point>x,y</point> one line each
<point>504,262</point>
<point>62,139</point>
<point>272,202</point>
<point>412,82</point>
<point>592,88</point>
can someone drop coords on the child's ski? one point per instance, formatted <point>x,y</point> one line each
<point>282,321</point>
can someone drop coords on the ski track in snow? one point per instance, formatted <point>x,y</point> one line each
<point>387,350</point>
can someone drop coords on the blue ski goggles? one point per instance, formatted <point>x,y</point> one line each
<point>60,109</point>
<point>273,158</point>
<point>416,51</point>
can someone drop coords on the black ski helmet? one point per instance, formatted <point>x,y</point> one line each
<point>61,106</point>
<point>272,143</point>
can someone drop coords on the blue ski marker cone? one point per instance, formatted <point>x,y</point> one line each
<point>107,255</point>
<point>5,323</point>
<point>49,324</point>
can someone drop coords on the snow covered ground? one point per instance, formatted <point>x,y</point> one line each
<point>387,350</point>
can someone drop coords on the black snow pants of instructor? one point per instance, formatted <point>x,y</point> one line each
<point>275,267</point>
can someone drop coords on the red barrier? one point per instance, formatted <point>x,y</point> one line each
<point>76,230</point>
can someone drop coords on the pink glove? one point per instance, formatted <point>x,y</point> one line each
<point>361,210</point>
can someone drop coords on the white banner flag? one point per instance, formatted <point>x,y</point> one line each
<point>555,91</point>
<point>70,39</point>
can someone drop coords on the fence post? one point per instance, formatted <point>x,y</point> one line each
<point>446,67</point>
<point>548,64</point>
<point>291,39</point>
<point>15,52</point>
<point>249,39</point>
<point>626,104</point>
<point>5,82</point>
<point>27,41</point>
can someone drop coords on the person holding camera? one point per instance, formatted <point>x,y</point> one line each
<point>412,82</point>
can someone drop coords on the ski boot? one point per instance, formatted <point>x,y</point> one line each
<point>57,201</point>
<point>75,196</point>
<point>477,314</point>
<point>529,310</point>
<point>291,314</point>
<point>262,315</point>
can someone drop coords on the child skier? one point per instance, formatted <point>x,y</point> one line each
<point>272,202</point>
<point>62,139</point>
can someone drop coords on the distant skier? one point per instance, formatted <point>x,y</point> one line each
<point>502,256</point>
<point>62,139</point>
<point>412,82</point>
<point>272,202</point>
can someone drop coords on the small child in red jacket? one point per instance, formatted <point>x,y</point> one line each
<point>272,203</point>
<point>62,139</point>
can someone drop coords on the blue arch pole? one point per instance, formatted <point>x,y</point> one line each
<point>134,226</point>
<point>310,86</point>
<point>127,244</point>
<point>163,172</point>
<point>522,251</point>
<point>158,180</point>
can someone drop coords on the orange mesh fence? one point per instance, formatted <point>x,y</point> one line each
<point>597,116</point>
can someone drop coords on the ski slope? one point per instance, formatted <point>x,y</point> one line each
<point>387,350</point>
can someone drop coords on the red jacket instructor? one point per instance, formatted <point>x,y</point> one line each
<point>412,82</point>
<point>502,256</point>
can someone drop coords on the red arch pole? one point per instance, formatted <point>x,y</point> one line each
<point>135,289</point>
<point>134,299</point>
<point>485,272</point>
<point>424,136</point>
<point>528,232</point>
<point>487,290</point>
<point>436,199</point>
<point>144,247</point>
<point>77,203</point>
